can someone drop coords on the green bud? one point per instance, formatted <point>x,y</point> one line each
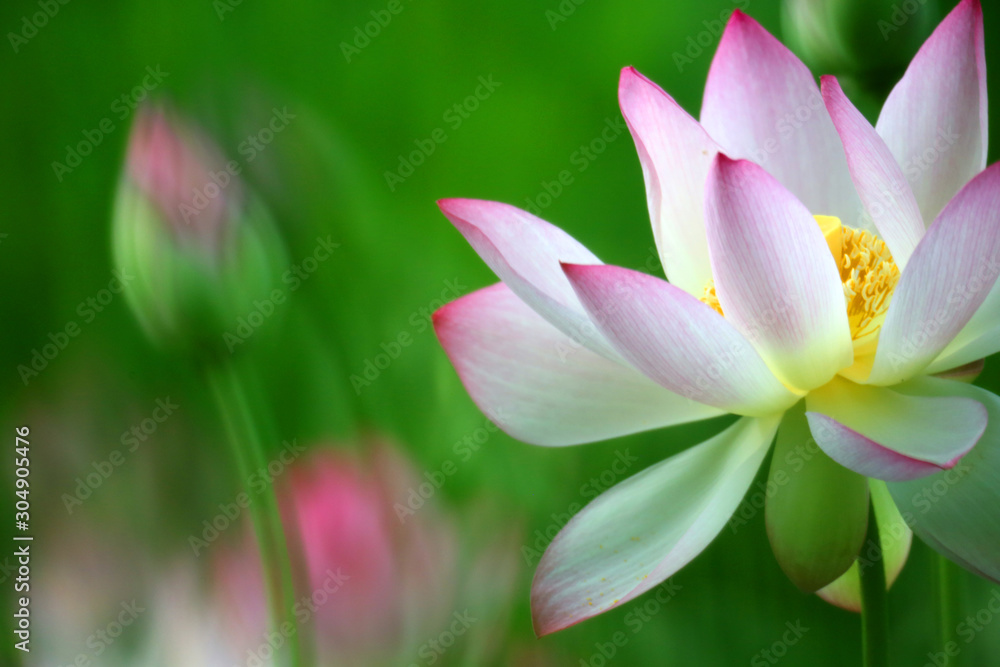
<point>870,40</point>
<point>202,250</point>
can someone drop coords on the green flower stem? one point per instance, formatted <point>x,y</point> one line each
<point>948,591</point>
<point>273,513</point>
<point>247,449</point>
<point>874,607</point>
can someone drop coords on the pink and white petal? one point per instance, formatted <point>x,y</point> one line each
<point>955,511</point>
<point>881,433</point>
<point>879,180</point>
<point>646,528</point>
<point>524,251</point>
<point>762,104</point>
<point>895,538</point>
<point>949,276</point>
<point>677,340</point>
<point>676,153</point>
<point>774,275</point>
<point>979,338</point>
<point>935,119</point>
<point>540,386</point>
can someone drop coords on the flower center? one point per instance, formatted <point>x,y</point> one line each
<point>869,276</point>
<point>867,272</point>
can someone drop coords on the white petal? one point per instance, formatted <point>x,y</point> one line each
<point>880,433</point>
<point>542,387</point>
<point>978,339</point>
<point>878,178</point>
<point>762,104</point>
<point>676,153</point>
<point>646,528</point>
<point>935,119</point>
<point>949,276</point>
<point>524,251</point>
<point>678,341</point>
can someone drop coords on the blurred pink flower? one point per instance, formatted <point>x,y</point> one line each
<point>373,586</point>
<point>184,173</point>
<point>197,246</point>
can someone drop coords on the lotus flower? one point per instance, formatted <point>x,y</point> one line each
<point>202,249</point>
<point>376,589</point>
<point>821,273</point>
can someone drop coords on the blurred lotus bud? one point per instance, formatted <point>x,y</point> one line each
<point>375,584</point>
<point>196,251</point>
<point>870,40</point>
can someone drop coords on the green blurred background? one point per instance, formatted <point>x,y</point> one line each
<point>229,65</point>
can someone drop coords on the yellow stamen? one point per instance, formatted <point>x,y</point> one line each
<point>711,298</point>
<point>867,272</point>
<point>869,276</point>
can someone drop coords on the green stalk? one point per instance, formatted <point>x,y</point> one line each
<point>874,607</point>
<point>273,514</point>
<point>248,451</point>
<point>948,591</point>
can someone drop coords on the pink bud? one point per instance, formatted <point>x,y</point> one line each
<point>183,173</point>
<point>372,581</point>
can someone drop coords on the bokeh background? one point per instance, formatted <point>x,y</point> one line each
<point>353,113</point>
